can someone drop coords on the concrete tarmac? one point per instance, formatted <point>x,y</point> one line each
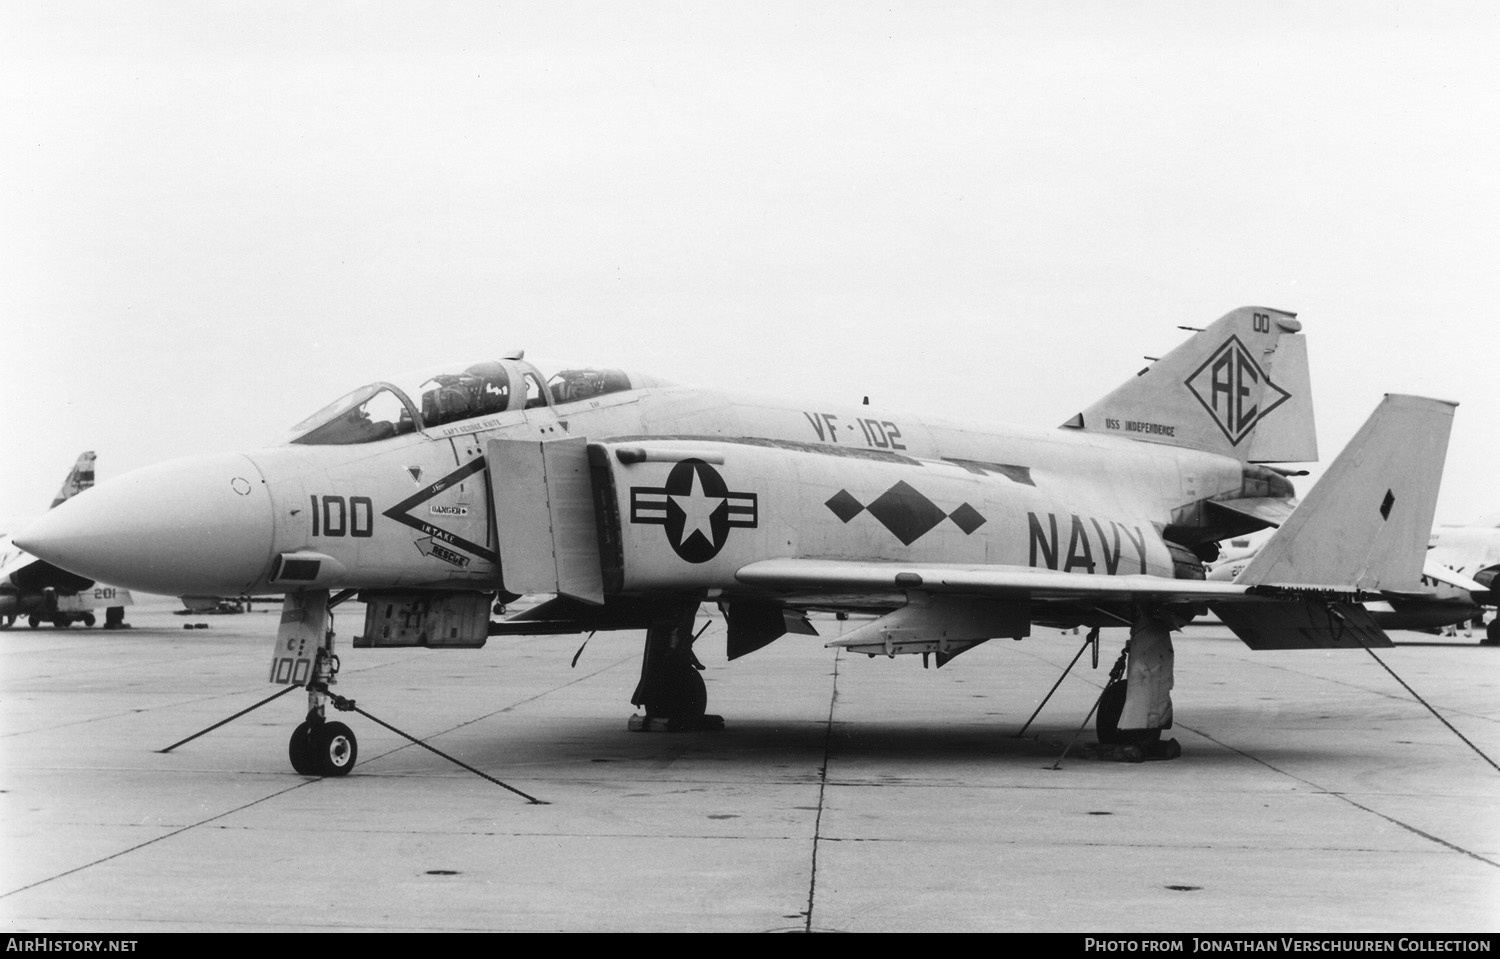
<point>1314,794</point>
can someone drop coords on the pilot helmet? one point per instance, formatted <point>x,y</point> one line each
<point>490,384</point>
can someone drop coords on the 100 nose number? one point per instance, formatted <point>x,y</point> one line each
<point>337,516</point>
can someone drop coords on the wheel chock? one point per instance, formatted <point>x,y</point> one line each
<point>684,724</point>
<point>1133,753</point>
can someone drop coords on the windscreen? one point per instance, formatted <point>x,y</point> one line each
<point>374,412</point>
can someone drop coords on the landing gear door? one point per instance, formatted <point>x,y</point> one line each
<point>543,503</point>
<point>304,621</point>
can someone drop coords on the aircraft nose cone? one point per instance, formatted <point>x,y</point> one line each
<point>201,526</point>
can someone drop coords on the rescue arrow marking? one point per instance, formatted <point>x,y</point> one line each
<point>427,547</point>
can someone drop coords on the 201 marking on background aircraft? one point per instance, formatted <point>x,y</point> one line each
<point>632,501</point>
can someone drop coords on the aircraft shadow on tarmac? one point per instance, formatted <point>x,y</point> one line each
<point>780,749</point>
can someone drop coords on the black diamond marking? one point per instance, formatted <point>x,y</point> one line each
<point>1386,504</point>
<point>400,513</point>
<point>967,518</point>
<point>906,512</point>
<point>844,505</point>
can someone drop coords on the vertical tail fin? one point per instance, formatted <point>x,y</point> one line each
<point>1239,387</point>
<point>1367,521</point>
<point>80,479</point>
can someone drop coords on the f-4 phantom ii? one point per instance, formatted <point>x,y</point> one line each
<point>42,592</point>
<point>632,501</point>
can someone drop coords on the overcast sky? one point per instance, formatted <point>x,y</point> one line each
<point>217,216</point>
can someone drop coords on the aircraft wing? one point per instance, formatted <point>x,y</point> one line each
<point>1436,571</point>
<point>999,582</point>
<point>961,605</point>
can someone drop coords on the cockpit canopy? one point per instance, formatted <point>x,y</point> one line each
<point>425,399</point>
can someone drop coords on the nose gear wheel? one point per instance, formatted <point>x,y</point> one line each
<point>320,748</point>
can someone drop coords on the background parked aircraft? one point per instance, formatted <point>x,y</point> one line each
<point>44,593</point>
<point>1472,550</point>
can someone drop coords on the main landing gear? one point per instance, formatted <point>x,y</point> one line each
<point>1137,705</point>
<point>671,687</point>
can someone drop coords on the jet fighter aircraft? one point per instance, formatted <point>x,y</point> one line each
<point>42,592</point>
<point>631,501</point>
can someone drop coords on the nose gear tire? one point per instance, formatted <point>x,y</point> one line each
<point>299,751</point>
<point>334,749</point>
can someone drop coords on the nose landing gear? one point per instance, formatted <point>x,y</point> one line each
<point>319,747</point>
<point>304,657</point>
